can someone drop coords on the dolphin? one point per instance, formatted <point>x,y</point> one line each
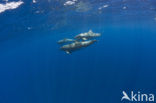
<point>88,35</point>
<point>69,48</point>
<point>65,40</point>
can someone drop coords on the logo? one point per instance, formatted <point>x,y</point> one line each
<point>138,96</point>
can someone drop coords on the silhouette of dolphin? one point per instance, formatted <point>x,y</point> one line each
<point>65,40</point>
<point>69,48</point>
<point>88,35</point>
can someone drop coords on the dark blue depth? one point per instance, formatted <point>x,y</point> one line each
<point>34,70</point>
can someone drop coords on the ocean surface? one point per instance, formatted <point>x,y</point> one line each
<point>33,69</point>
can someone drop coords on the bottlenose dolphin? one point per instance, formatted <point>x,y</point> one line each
<point>65,40</point>
<point>87,35</point>
<point>68,48</point>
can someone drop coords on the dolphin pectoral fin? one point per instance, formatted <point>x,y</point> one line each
<point>84,38</point>
<point>68,52</point>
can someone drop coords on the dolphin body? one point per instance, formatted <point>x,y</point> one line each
<point>69,48</point>
<point>87,35</point>
<point>65,40</point>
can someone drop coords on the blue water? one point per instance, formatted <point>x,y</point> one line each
<point>34,70</point>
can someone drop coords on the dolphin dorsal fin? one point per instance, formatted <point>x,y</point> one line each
<point>90,31</point>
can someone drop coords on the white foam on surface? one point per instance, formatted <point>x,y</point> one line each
<point>10,6</point>
<point>104,6</point>
<point>34,1</point>
<point>70,2</point>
